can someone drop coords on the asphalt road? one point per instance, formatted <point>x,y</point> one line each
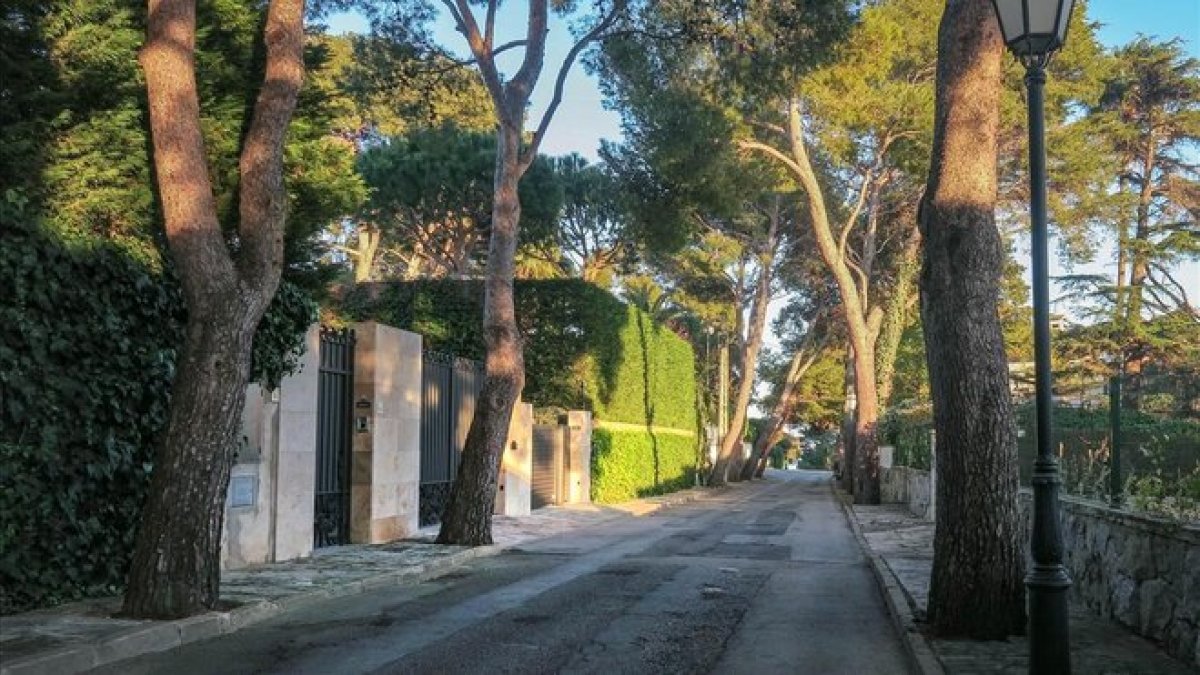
<point>766,579</point>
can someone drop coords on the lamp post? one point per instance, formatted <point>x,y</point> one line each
<point>1033,30</point>
<point>1116,482</point>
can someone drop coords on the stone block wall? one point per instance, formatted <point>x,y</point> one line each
<point>386,461</point>
<point>579,457</point>
<point>246,539</point>
<point>514,494</point>
<point>1140,571</point>
<point>905,485</point>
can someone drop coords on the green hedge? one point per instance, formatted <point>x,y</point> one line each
<point>1153,447</point>
<point>88,338</point>
<point>584,348</point>
<point>1160,457</point>
<point>628,464</point>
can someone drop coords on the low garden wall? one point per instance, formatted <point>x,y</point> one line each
<point>1138,570</point>
<point>905,485</point>
<point>1141,571</point>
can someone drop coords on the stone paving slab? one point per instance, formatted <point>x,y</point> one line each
<point>904,544</point>
<point>83,635</point>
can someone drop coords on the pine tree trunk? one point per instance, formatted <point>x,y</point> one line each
<point>729,461</point>
<point>763,443</point>
<point>468,516</point>
<point>896,318</point>
<point>977,586</point>
<point>770,434</point>
<point>866,421</point>
<point>176,564</point>
<point>367,249</point>
<point>175,567</point>
<point>1139,270</point>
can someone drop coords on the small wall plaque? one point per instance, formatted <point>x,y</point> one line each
<point>243,491</point>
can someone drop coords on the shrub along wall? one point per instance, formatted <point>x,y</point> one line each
<point>584,350</point>
<point>88,337</point>
<point>1158,456</point>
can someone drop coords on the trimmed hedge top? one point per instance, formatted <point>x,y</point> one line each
<point>584,348</point>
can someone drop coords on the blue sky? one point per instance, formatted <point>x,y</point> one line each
<point>582,121</point>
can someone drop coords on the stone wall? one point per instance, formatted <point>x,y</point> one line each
<point>386,459</point>
<point>1140,571</point>
<point>905,485</point>
<point>269,507</point>
<point>249,517</point>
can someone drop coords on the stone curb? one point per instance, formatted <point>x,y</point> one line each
<point>920,654</point>
<point>162,636</point>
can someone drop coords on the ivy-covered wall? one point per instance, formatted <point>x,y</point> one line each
<point>88,339</point>
<point>584,350</point>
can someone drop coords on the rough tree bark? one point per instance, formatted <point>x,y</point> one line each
<point>468,516</point>
<point>175,568</point>
<point>978,560</point>
<point>728,465</point>
<point>1134,356</point>
<point>896,316</point>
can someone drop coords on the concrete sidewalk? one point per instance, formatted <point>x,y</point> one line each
<point>901,548</point>
<point>83,635</point>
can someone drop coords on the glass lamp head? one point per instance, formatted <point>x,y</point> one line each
<point>1033,29</point>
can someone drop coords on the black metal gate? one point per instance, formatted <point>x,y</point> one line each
<point>449,387</point>
<point>549,459</point>
<point>335,412</point>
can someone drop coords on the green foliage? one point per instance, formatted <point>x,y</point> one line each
<point>629,464</point>
<point>907,430</point>
<point>584,348</point>
<point>77,141</point>
<point>1158,456</point>
<point>1176,497</point>
<point>85,374</point>
<point>819,450</point>
<point>432,192</point>
<point>85,378</point>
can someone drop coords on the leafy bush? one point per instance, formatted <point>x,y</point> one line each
<point>627,464</point>
<point>1175,496</point>
<point>1160,457</point>
<point>584,348</point>
<point>88,339</point>
<point>907,430</point>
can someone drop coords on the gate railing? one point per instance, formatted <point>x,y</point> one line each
<point>335,409</point>
<point>449,388</point>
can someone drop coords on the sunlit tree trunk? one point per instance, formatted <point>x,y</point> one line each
<point>896,315</point>
<point>175,568</point>
<point>468,516</point>
<point>365,251</point>
<point>977,587</point>
<point>1139,270</point>
<point>728,464</point>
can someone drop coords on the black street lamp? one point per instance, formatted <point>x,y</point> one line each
<point>1033,30</point>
